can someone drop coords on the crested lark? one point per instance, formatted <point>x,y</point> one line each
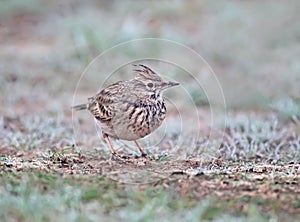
<point>130,109</point>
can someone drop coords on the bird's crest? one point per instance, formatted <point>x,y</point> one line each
<point>145,72</point>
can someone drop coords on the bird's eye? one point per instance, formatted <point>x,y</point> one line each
<point>150,84</point>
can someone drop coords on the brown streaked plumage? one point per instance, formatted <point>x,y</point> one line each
<point>130,109</point>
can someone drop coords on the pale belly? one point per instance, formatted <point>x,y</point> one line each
<point>136,126</point>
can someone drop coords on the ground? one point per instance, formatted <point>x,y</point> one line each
<point>55,167</point>
<point>254,184</point>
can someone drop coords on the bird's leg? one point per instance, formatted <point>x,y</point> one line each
<point>112,150</point>
<point>144,154</point>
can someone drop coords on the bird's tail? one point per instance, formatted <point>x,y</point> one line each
<point>80,107</point>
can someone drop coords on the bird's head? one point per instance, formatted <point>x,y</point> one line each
<point>150,82</point>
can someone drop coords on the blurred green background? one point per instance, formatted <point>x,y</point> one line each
<point>253,47</point>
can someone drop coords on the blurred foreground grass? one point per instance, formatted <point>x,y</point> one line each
<point>37,196</point>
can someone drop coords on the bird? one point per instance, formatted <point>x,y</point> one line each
<point>130,109</point>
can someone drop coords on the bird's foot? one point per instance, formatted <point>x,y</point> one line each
<point>145,156</point>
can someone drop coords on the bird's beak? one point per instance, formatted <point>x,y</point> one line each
<point>166,85</point>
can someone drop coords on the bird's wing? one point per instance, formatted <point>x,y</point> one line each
<point>102,105</point>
